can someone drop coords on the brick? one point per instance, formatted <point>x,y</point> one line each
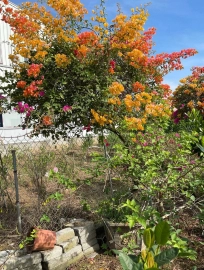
<point>51,254</point>
<point>66,246</point>
<point>64,235</point>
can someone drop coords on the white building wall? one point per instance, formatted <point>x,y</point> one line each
<point>12,120</point>
<point>5,43</point>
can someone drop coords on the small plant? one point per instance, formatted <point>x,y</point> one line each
<point>153,254</point>
<point>54,174</point>
<point>160,243</point>
<point>111,208</point>
<point>45,218</point>
<point>29,239</point>
<point>106,249</point>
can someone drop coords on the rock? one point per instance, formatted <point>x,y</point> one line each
<point>66,246</point>
<point>51,254</point>
<point>64,235</point>
<point>23,262</point>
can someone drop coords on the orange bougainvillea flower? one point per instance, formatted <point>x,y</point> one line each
<point>46,120</point>
<point>87,38</point>
<point>138,87</point>
<point>21,84</point>
<point>116,88</point>
<point>34,70</point>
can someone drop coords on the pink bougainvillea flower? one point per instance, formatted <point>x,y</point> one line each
<point>177,135</point>
<point>55,169</point>
<point>67,108</point>
<point>176,120</point>
<point>41,93</point>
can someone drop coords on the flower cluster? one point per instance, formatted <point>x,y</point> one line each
<point>24,108</point>
<point>116,88</point>
<point>34,70</point>
<point>189,95</point>
<point>62,61</point>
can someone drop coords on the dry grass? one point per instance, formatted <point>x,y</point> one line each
<point>72,160</point>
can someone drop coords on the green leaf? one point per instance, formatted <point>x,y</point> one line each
<point>191,255</point>
<point>162,233</point>
<point>142,221</point>
<point>166,256</point>
<point>128,262</point>
<point>147,237</point>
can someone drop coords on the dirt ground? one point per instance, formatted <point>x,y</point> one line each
<point>71,207</point>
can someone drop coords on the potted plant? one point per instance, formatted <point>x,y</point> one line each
<point>39,239</point>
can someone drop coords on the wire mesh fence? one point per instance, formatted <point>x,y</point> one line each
<point>34,158</point>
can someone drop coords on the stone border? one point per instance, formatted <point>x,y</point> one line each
<point>76,240</point>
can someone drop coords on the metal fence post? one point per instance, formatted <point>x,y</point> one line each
<point>17,193</point>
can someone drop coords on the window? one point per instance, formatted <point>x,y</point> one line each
<point>1,120</point>
<point>10,120</point>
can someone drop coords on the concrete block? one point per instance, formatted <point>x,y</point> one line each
<point>3,253</point>
<point>66,246</point>
<point>85,238</point>
<point>3,260</point>
<point>85,231</point>
<point>64,264</point>
<point>21,252</point>
<point>90,250</point>
<point>23,262</point>
<point>48,255</point>
<point>90,243</point>
<point>64,235</point>
<point>65,259</point>
<point>34,267</point>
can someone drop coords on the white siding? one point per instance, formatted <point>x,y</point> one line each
<point>6,47</point>
<point>13,119</point>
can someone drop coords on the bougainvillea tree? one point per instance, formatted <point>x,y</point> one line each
<point>85,74</point>
<point>189,95</point>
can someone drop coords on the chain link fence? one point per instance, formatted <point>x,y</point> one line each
<point>34,158</point>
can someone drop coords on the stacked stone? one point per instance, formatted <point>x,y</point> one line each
<point>11,260</point>
<point>66,251</point>
<point>86,232</point>
<point>72,244</point>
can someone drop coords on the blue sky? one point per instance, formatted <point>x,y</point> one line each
<point>179,25</point>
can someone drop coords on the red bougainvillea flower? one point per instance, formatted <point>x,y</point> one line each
<point>106,143</point>
<point>87,128</point>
